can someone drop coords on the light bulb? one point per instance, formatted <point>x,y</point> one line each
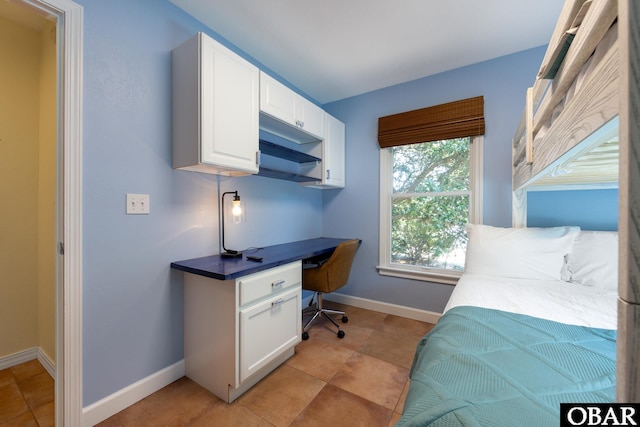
<point>236,210</point>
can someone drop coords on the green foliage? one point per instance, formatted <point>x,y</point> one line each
<point>427,225</point>
<point>431,167</point>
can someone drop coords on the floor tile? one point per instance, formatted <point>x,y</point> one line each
<point>395,417</point>
<point>27,369</point>
<point>409,328</point>
<point>46,415</point>
<point>38,390</point>
<point>12,404</point>
<point>6,377</point>
<point>178,403</point>
<point>336,407</point>
<point>357,330</point>
<point>391,347</point>
<point>132,416</point>
<point>373,379</point>
<point>282,395</point>
<point>233,415</point>
<point>403,397</point>
<point>360,316</point>
<point>25,420</point>
<point>320,358</point>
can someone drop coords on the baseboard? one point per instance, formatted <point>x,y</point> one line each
<point>48,364</point>
<point>18,358</point>
<point>116,402</point>
<point>384,307</point>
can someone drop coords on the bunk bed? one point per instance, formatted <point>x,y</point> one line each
<point>539,317</point>
<point>568,134</point>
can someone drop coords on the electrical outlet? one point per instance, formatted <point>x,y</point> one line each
<point>138,204</point>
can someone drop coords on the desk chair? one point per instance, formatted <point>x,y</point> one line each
<point>326,276</point>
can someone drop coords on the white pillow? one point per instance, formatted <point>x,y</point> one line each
<point>594,259</point>
<point>523,253</point>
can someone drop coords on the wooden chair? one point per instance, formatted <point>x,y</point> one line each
<point>326,276</point>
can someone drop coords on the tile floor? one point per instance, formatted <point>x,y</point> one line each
<point>360,380</point>
<point>26,396</point>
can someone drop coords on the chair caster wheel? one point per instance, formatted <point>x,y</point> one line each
<point>340,334</point>
<point>345,319</point>
<point>305,336</point>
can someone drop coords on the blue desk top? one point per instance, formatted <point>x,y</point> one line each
<point>216,267</point>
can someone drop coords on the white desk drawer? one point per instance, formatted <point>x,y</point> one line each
<point>267,330</point>
<point>269,282</point>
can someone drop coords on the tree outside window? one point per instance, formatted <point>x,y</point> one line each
<point>430,203</point>
<point>430,198</point>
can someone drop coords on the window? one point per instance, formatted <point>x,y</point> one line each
<point>428,192</point>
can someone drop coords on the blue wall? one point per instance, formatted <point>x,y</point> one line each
<point>588,209</point>
<point>132,300</point>
<point>503,82</point>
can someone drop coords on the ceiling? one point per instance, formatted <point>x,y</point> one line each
<point>335,49</point>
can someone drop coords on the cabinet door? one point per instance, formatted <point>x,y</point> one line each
<point>333,153</point>
<point>229,108</point>
<point>268,329</point>
<point>277,100</point>
<point>310,117</point>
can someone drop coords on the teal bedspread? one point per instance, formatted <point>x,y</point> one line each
<point>483,367</point>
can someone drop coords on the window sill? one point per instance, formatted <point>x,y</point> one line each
<point>424,274</point>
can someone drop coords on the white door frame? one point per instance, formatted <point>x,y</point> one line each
<point>68,381</point>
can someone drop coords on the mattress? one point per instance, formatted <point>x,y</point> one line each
<point>556,300</point>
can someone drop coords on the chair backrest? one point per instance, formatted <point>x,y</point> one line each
<point>338,266</point>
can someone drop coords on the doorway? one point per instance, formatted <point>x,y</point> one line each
<point>28,185</point>
<point>62,245</point>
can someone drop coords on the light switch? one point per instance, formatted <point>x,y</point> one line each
<point>138,204</point>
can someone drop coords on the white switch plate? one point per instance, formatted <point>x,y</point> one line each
<point>138,204</point>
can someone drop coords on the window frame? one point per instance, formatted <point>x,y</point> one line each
<point>385,266</point>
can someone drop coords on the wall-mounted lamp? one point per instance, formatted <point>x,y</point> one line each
<point>236,212</point>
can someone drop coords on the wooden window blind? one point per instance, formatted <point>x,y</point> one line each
<point>445,121</point>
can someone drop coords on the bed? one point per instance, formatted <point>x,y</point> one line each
<point>525,330</point>
<point>581,129</point>
<point>567,336</point>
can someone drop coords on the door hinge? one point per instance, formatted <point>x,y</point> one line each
<point>61,248</point>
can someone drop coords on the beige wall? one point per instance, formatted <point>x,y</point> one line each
<point>27,191</point>
<point>47,193</point>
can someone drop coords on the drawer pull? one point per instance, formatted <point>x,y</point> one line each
<point>277,302</point>
<point>277,283</point>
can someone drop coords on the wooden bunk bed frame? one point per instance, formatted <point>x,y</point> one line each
<point>594,142</point>
<point>628,358</point>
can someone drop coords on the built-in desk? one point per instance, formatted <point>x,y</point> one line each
<point>216,267</point>
<point>242,318</point>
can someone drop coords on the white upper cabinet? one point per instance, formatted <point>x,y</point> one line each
<point>310,117</point>
<point>333,155</point>
<point>287,114</point>
<point>215,109</point>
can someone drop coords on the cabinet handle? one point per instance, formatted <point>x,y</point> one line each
<point>277,302</point>
<point>328,173</point>
<point>258,158</point>
<point>277,283</point>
